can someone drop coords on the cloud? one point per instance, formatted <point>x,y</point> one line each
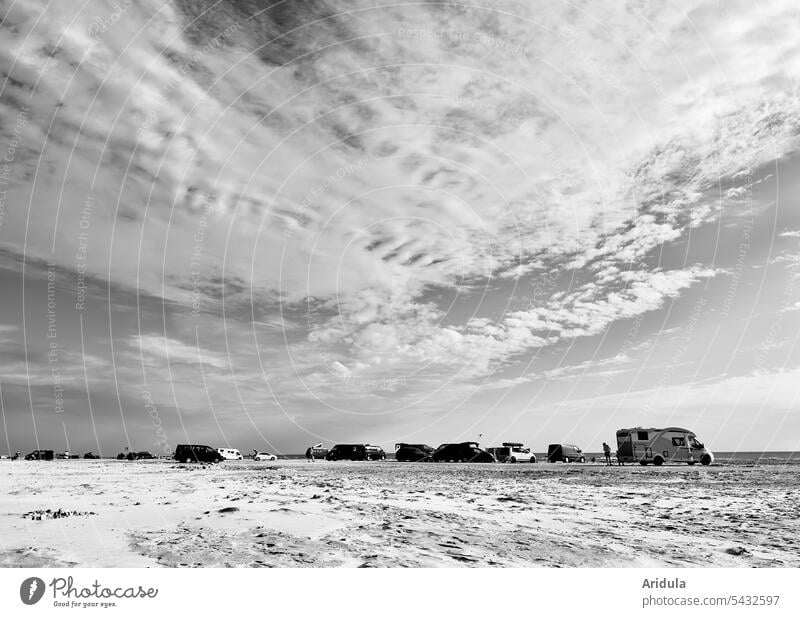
<point>361,157</point>
<point>174,351</point>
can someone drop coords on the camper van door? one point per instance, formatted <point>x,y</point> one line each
<point>680,447</point>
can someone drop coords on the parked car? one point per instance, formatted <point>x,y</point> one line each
<point>355,452</point>
<point>511,452</point>
<point>63,455</point>
<point>40,455</point>
<point>264,456</point>
<point>564,453</point>
<point>465,452</point>
<point>91,455</point>
<point>138,456</point>
<point>230,454</point>
<point>190,453</point>
<point>412,452</point>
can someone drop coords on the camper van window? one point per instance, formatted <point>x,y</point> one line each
<point>697,445</point>
<point>678,441</point>
<point>641,435</point>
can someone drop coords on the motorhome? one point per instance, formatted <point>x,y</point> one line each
<point>230,454</point>
<point>661,445</point>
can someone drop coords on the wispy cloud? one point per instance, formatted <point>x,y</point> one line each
<point>174,351</point>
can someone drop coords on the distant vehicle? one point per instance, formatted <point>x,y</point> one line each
<point>564,453</point>
<point>375,453</point>
<point>465,452</point>
<point>318,452</point>
<point>189,453</point>
<point>90,455</point>
<point>230,454</point>
<point>40,455</point>
<point>264,456</point>
<point>138,456</point>
<point>355,452</point>
<point>63,455</point>
<point>413,452</point>
<point>511,452</point>
<point>661,445</point>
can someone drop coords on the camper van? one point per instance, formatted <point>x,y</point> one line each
<point>661,445</point>
<point>512,452</point>
<point>230,454</point>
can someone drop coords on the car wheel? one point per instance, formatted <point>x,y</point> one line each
<point>533,459</point>
<point>658,461</point>
<point>705,460</point>
<point>513,459</point>
<point>582,460</point>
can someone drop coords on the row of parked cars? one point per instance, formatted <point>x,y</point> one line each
<point>468,451</point>
<point>645,446</point>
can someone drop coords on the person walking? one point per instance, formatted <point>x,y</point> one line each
<point>310,454</point>
<point>607,452</point>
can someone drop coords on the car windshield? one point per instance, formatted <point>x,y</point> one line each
<point>697,445</point>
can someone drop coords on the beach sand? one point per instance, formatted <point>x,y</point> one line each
<point>300,514</point>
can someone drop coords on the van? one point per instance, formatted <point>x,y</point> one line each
<point>355,452</point>
<point>230,454</point>
<point>564,453</point>
<point>187,453</point>
<point>512,452</point>
<point>661,445</point>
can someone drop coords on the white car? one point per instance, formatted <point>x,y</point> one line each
<point>264,456</point>
<point>230,454</point>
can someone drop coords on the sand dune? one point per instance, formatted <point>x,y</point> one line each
<point>296,514</point>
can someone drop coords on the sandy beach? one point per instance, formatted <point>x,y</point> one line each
<point>298,514</point>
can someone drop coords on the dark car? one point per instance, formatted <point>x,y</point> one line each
<point>188,453</point>
<point>355,452</point>
<point>91,455</point>
<point>465,452</point>
<point>564,453</point>
<point>143,455</point>
<point>40,455</point>
<point>412,452</point>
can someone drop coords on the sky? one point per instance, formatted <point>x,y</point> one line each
<point>271,224</point>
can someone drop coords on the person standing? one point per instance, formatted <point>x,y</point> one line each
<point>310,454</point>
<point>607,452</point>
